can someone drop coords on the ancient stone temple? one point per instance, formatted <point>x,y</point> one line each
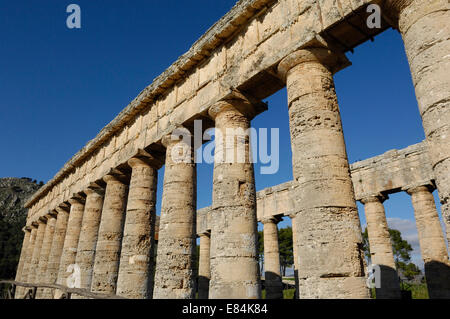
<point>98,213</point>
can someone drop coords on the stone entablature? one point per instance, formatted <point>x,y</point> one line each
<point>239,52</point>
<point>391,172</point>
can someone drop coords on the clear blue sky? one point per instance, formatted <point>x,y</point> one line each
<point>59,87</point>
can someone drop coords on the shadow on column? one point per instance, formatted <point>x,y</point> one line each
<point>273,284</point>
<point>437,275</point>
<point>388,282</point>
<point>296,294</point>
<point>203,287</point>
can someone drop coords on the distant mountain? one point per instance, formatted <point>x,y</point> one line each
<point>14,192</point>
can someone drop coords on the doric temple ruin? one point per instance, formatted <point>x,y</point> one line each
<point>97,216</point>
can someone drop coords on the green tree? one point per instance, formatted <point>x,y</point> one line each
<point>402,253</point>
<point>286,248</point>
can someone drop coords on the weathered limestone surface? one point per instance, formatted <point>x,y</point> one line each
<point>240,56</point>
<point>204,267</point>
<point>54,258</point>
<point>234,264</point>
<point>387,173</point>
<point>34,266</point>
<point>331,261</point>
<point>237,52</point>
<point>381,253</point>
<point>87,242</point>
<point>272,277</point>
<point>392,171</point>
<point>135,279</point>
<point>69,252</point>
<point>426,34</point>
<point>174,277</point>
<point>45,252</point>
<point>107,252</point>
<point>432,243</point>
<point>22,261</point>
<point>295,253</point>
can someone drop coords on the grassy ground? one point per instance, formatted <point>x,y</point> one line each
<point>418,291</point>
<point>287,294</point>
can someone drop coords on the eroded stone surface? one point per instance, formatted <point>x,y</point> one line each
<point>87,243</point>
<point>234,265</point>
<point>135,279</point>
<point>174,277</point>
<point>107,252</point>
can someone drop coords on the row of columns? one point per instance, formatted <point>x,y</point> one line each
<point>329,258</point>
<point>431,240</point>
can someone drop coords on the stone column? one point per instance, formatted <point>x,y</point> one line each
<point>204,268</point>
<point>273,280</point>
<point>22,260</point>
<point>381,253</point>
<point>27,263</point>
<point>87,242</point>
<point>107,255</point>
<point>135,279</point>
<point>426,34</point>
<point>294,253</point>
<point>45,252</point>
<point>54,258</point>
<point>32,276</point>
<point>432,243</point>
<point>69,251</point>
<point>234,261</point>
<point>174,277</point>
<point>331,261</point>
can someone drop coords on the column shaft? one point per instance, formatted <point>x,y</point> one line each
<point>426,34</point>
<point>329,233</point>
<point>87,242</point>
<point>107,255</point>
<point>135,278</point>
<point>432,243</point>
<point>174,276</point>
<point>45,252</point>
<point>33,275</point>
<point>273,283</point>
<point>22,260</point>
<point>381,248</point>
<point>69,252</point>
<point>56,249</point>
<point>204,268</point>
<point>295,254</point>
<point>234,255</point>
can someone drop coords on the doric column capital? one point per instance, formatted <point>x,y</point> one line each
<point>333,61</point>
<point>26,229</point>
<point>226,106</point>
<point>42,220</point>
<point>97,190</point>
<point>205,234</point>
<point>374,198</point>
<point>62,208</point>
<point>291,214</point>
<point>144,159</point>
<point>76,200</point>
<point>420,189</point>
<point>402,14</point>
<point>180,134</point>
<point>51,214</point>
<point>115,176</point>
<point>239,103</point>
<point>272,220</point>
